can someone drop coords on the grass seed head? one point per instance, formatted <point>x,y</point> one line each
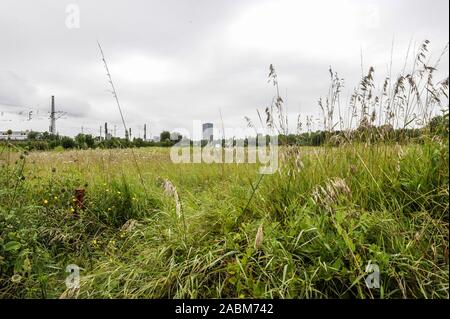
<point>335,189</point>
<point>171,190</point>
<point>259,237</point>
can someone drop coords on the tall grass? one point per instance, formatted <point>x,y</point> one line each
<point>222,231</point>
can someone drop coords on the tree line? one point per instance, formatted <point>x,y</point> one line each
<point>438,126</point>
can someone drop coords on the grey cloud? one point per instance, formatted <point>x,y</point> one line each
<point>176,61</point>
<point>74,107</point>
<point>15,90</point>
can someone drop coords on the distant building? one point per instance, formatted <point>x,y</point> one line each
<point>14,136</point>
<point>156,138</point>
<point>208,131</point>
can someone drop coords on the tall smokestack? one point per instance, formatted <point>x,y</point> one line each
<point>52,117</point>
<point>145,132</point>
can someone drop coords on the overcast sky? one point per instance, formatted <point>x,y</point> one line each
<point>181,60</point>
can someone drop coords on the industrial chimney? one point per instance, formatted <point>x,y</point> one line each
<point>52,117</point>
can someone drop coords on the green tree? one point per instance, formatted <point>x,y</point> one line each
<point>67,142</point>
<point>45,136</point>
<point>89,140</point>
<point>138,142</point>
<point>80,140</point>
<point>33,135</point>
<point>165,135</point>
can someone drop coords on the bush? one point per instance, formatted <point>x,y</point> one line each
<point>67,142</point>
